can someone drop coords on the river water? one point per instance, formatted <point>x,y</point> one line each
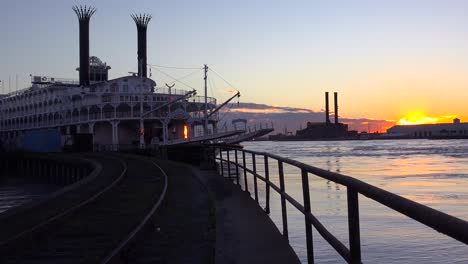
<point>430,172</point>
<point>16,191</point>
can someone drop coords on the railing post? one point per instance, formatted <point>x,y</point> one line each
<point>353,224</point>
<point>228,164</point>
<point>308,224</point>
<point>245,172</point>
<point>254,168</point>
<point>214,158</point>
<point>221,161</point>
<point>267,191</point>
<point>237,167</point>
<point>283,200</point>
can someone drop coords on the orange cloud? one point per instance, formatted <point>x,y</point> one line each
<point>258,111</point>
<point>229,91</point>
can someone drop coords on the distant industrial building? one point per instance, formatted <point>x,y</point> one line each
<point>327,130</point>
<point>447,130</point>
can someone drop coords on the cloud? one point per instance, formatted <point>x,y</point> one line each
<point>262,108</point>
<point>292,118</point>
<point>230,91</point>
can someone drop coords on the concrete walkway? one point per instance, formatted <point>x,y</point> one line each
<point>244,233</point>
<point>183,228</point>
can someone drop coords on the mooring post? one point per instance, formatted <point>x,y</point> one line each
<point>353,224</point>
<point>57,173</point>
<point>267,187</point>
<point>237,166</point>
<point>228,164</point>
<point>307,211</point>
<point>214,158</point>
<point>221,161</point>
<point>41,169</point>
<point>51,169</point>
<point>74,174</point>
<point>245,171</point>
<point>254,168</point>
<point>83,173</point>
<point>283,200</point>
<point>59,180</point>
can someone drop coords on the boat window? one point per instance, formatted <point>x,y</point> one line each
<point>114,87</point>
<point>106,99</point>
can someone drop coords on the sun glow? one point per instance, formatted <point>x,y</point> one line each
<point>418,118</point>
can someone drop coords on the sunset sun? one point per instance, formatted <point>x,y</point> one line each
<point>417,118</point>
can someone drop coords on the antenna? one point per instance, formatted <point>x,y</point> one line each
<point>205,110</point>
<point>170,87</point>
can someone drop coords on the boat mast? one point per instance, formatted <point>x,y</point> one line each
<point>205,123</point>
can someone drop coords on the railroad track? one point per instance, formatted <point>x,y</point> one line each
<point>98,229</point>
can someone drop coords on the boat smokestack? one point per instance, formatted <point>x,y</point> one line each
<point>84,14</point>
<point>141,22</point>
<point>336,108</point>
<point>327,110</point>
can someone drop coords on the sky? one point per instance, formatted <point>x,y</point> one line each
<point>387,59</point>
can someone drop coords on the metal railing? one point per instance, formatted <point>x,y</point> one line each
<point>451,226</point>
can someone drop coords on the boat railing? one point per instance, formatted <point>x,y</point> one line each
<point>233,161</point>
<point>249,128</point>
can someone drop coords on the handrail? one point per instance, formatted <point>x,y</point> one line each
<point>449,225</point>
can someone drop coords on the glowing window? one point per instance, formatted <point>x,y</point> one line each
<point>185,132</point>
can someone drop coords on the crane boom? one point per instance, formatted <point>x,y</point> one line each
<point>223,104</point>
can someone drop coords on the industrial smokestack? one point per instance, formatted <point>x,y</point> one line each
<point>327,110</point>
<point>141,22</point>
<point>336,108</point>
<point>84,14</point>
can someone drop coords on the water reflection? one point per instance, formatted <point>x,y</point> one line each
<point>434,173</point>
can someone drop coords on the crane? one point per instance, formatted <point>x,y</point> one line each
<point>223,104</point>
